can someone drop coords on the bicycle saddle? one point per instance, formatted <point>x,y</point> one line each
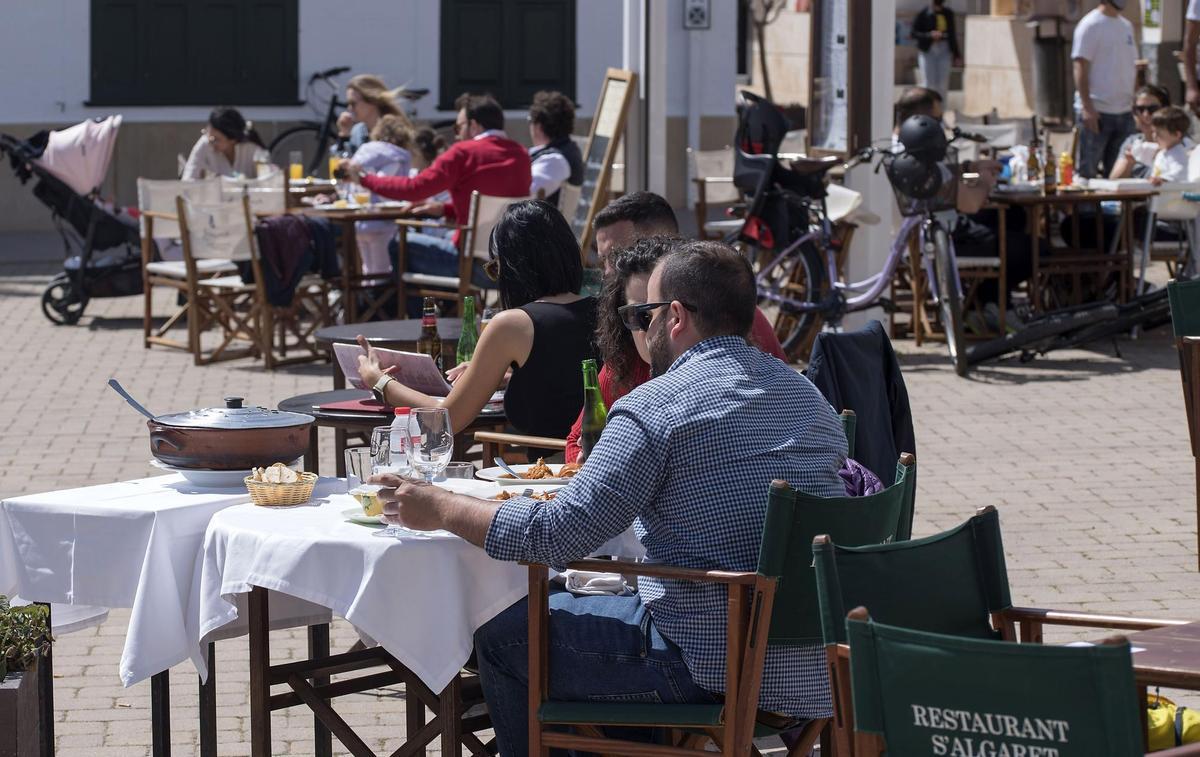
<point>413,94</point>
<point>808,166</point>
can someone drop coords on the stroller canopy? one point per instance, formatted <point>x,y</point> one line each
<point>79,155</point>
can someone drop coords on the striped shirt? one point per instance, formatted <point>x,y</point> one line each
<point>687,458</point>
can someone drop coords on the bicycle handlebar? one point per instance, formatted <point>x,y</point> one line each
<point>336,71</point>
<point>968,135</point>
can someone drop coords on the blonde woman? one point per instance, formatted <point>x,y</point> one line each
<point>367,100</point>
<point>388,153</point>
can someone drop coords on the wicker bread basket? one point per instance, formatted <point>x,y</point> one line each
<point>281,495</point>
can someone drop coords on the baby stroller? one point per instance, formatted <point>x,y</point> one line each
<point>101,242</point>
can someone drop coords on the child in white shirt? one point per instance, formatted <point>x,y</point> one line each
<point>1171,125</point>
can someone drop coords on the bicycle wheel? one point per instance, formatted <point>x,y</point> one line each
<point>949,297</point>
<point>303,139</point>
<point>785,285</point>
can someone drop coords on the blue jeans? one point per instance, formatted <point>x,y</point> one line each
<point>934,67</point>
<point>1103,147</point>
<point>435,256</point>
<point>602,649</point>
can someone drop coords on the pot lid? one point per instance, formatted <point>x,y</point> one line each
<point>234,416</point>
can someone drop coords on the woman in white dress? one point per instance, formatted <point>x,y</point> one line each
<point>389,153</point>
<point>228,146</point>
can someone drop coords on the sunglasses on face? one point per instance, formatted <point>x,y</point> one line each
<point>1148,110</point>
<point>639,317</point>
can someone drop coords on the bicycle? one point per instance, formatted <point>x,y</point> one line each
<point>313,138</point>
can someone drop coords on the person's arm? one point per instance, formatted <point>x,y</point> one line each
<point>952,37</point>
<point>1123,168</point>
<point>196,162</point>
<point>549,172</point>
<point>438,177</point>
<point>920,30</point>
<point>507,339</point>
<point>573,450</point>
<point>1191,38</point>
<point>1081,68</point>
<point>762,336</point>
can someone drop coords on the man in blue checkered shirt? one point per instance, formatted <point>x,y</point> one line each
<point>686,458</point>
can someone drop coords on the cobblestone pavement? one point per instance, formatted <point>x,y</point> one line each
<point>1085,455</point>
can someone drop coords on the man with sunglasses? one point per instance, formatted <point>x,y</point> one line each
<point>687,458</point>
<point>1104,61</point>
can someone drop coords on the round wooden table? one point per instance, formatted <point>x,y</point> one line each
<point>346,423</point>
<point>392,335</point>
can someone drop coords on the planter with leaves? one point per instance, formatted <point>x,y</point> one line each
<point>24,637</point>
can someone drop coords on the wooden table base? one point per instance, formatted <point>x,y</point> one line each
<point>310,686</point>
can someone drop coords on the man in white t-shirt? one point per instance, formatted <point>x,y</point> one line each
<point>1105,66</point>
<point>1191,38</point>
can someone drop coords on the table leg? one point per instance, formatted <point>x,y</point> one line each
<point>1035,285</point>
<point>350,271</point>
<point>414,714</point>
<point>1145,715</point>
<point>318,649</point>
<point>260,674</point>
<point>1002,253</point>
<point>339,452</point>
<point>339,378</point>
<point>45,684</point>
<point>208,706</point>
<point>449,705</point>
<point>311,460</point>
<point>160,714</point>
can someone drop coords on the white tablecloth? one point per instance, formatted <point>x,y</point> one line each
<point>130,544</point>
<point>420,596</point>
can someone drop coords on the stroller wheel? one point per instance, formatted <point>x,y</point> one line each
<point>61,303</point>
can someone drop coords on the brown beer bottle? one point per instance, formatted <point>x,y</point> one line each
<point>430,343</point>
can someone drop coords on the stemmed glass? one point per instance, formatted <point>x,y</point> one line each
<point>431,441</point>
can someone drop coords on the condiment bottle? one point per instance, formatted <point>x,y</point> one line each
<point>430,343</point>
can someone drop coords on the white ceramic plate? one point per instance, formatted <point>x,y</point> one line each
<point>494,474</point>
<point>356,515</point>
<point>335,206</point>
<point>208,479</point>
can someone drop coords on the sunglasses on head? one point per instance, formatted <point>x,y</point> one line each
<point>638,317</point>
<point>1147,109</point>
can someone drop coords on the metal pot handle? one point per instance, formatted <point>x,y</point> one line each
<point>159,441</point>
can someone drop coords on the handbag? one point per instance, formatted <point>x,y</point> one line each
<point>1170,725</point>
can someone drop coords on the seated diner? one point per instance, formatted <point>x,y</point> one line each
<point>228,146</point>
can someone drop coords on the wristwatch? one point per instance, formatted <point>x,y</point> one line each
<point>380,385</point>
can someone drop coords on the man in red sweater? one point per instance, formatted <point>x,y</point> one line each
<point>482,159</point>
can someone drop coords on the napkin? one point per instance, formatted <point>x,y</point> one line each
<point>593,582</point>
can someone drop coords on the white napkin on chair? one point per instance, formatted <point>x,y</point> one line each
<point>593,582</point>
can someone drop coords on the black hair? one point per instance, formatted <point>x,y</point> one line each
<point>1158,92</point>
<point>717,281</point>
<point>230,122</point>
<point>554,112</point>
<point>429,143</point>
<point>916,101</point>
<point>483,109</point>
<point>613,339</point>
<point>649,213</point>
<point>537,252</point>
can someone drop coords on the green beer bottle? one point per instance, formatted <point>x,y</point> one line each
<point>469,336</point>
<point>595,414</point>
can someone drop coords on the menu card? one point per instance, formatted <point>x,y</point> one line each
<point>413,369</point>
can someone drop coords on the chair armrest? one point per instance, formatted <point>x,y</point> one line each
<point>159,214</point>
<point>736,578</point>
<point>1086,619</point>
<point>520,440</point>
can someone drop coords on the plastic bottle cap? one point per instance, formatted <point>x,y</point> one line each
<point>402,410</point>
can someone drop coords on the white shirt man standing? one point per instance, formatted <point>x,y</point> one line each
<point>1104,58</point>
<point>1191,38</point>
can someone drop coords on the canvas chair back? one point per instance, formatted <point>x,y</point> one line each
<point>218,230</point>
<point>267,194</point>
<point>158,196</point>
<point>715,167</point>
<point>927,693</point>
<point>946,583</point>
<point>485,213</point>
<point>568,198</point>
<point>794,518</point>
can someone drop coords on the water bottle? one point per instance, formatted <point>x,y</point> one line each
<point>399,441</point>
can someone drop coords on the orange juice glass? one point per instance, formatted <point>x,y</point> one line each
<point>333,164</point>
<point>296,171</point>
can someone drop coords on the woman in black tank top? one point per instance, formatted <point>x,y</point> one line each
<point>543,334</point>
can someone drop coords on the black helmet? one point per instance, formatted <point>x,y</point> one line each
<point>919,179</point>
<point>923,137</point>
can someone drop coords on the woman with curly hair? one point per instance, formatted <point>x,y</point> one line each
<point>626,357</point>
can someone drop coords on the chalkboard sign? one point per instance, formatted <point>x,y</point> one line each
<point>608,123</point>
<point>839,113</point>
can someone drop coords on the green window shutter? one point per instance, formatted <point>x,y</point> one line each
<point>194,52</point>
<point>510,48</point>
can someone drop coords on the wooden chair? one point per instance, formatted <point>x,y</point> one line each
<point>159,220</point>
<point>1184,297</point>
<point>242,311</point>
<point>473,244</point>
<point>568,199</point>
<point>712,176</point>
<point>1071,702</point>
<point>775,606</point>
<point>953,583</point>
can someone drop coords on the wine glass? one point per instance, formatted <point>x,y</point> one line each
<point>431,440</point>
